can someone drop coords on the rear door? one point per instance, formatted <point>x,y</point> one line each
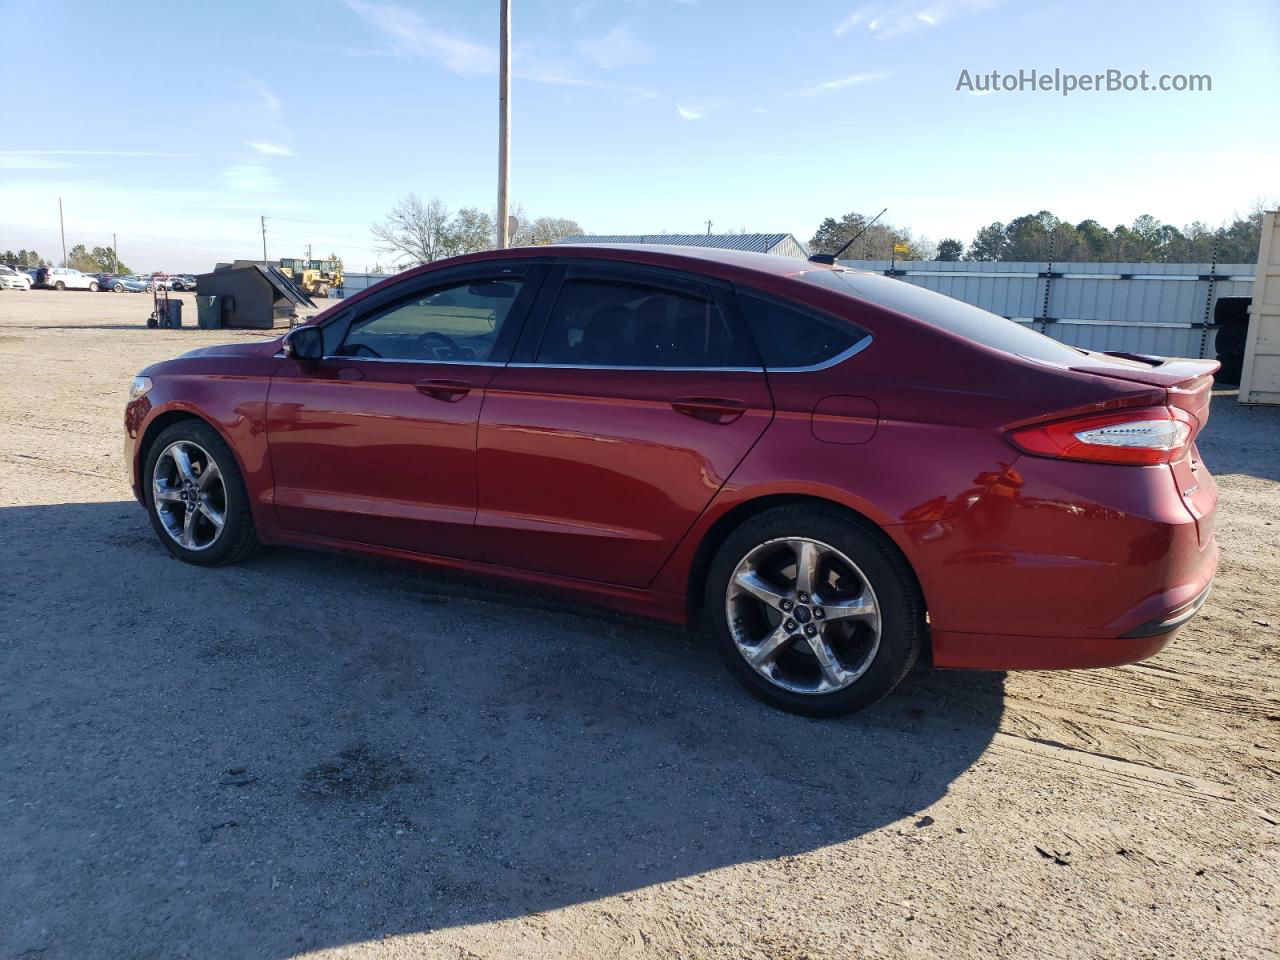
<point>376,443</point>
<point>634,394</point>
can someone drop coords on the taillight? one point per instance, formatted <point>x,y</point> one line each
<point>1143,436</point>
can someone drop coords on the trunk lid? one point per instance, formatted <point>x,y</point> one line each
<point>1188,385</point>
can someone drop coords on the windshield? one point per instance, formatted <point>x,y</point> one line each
<point>946,313</point>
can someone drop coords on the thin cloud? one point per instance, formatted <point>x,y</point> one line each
<point>250,178</point>
<point>691,113</point>
<point>267,100</point>
<point>26,161</point>
<point>270,149</point>
<point>830,86</point>
<point>620,47</point>
<point>99,153</point>
<point>884,20</point>
<point>553,77</point>
<point>411,35</point>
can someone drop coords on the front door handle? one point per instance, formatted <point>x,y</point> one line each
<point>709,409</point>
<point>451,391</point>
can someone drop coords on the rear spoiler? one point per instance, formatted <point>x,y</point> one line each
<point>1164,372</point>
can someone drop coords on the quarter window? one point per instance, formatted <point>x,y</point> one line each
<point>794,337</point>
<point>457,323</point>
<point>611,323</point>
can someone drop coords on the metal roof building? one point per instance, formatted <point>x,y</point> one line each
<point>779,244</point>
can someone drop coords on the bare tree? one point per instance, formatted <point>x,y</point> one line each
<point>416,232</point>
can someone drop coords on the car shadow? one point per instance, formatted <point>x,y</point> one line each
<point>311,750</point>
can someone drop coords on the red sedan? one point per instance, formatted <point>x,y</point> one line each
<point>831,470</point>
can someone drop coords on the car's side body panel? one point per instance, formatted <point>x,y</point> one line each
<point>594,474</point>
<point>228,389</point>
<point>361,454</point>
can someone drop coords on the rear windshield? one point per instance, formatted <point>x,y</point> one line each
<point>947,313</point>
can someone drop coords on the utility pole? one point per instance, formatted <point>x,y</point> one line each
<point>504,120</point>
<point>63,230</point>
<point>708,228</point>
<point>308,255</point>
<point>115,255</point>
<point>264,240</point>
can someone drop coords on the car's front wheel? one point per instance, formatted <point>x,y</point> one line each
<point>812,612</point>
<point>59,285</point>
<point>118,288</point>
<point>196,497</point>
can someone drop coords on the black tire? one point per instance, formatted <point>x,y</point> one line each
<point>238,540</point>
<point>118,288</point>
<point>897,593</point>
<point>93,286</point>
<point>59,285</point>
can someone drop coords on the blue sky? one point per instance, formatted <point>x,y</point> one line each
<point>178,124</point>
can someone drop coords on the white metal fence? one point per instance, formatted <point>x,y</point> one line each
<point>1167,309</point>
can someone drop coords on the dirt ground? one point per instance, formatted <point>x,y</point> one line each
<point>323,756</point>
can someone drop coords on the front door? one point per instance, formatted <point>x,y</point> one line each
<point>376,443</point>
<point>637,396</point>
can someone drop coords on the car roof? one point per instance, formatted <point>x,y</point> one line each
<point>707,259</point>
<point>713,261</point>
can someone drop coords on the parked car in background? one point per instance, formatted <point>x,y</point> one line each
<point>183,281</point>
<point>105,280</point>
<point>159,281</point>
<point>832,470</point>
<point>65,278</point>
<point>13,278</point>
<point>130,284</point>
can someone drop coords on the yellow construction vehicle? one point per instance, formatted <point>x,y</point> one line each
<point>315,277</point>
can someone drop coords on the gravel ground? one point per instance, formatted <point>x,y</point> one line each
<point>317,755</point>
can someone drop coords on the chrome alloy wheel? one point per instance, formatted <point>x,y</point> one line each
<point>189,495</point>
<point>803,615</point>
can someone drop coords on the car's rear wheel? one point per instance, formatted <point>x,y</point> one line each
<point>118,288</point>
<point>196,497</point>
<point>93,286</point>
<point>813,612</point>
<point>59,285</point>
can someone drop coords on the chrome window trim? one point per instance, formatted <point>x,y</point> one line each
<point>831,362</point>
<point>460,363</point>
<point>602,366</point>
<point>281,355</point>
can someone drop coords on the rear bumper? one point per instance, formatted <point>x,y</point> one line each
<point>977,651</point>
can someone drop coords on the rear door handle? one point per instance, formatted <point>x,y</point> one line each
<point>451,391</point>
<point>709,409</point>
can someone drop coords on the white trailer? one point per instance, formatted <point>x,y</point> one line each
<point>1260,378</point>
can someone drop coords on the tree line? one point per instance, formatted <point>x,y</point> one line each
<point>418,231</point>
<point>97,260</point>
<point>1042,237</point>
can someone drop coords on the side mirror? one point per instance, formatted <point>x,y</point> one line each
<point>305,344</point>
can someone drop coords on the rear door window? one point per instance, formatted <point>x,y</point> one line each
<point>624,321</point>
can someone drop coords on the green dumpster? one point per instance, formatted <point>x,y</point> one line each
<point>209,313</point>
